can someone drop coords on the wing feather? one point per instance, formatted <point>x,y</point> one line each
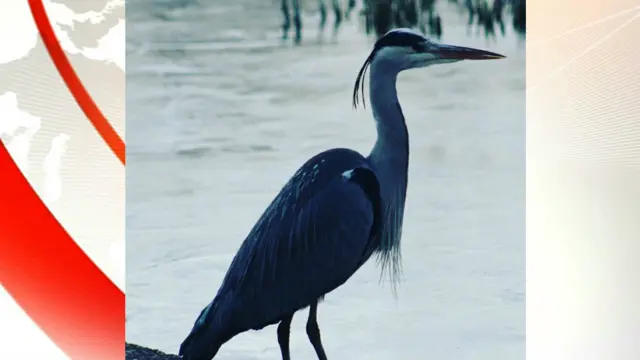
<point>309,241</point>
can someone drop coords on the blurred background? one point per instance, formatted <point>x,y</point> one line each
<point>221,111</point>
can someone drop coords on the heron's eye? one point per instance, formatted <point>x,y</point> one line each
<point>416,47</point>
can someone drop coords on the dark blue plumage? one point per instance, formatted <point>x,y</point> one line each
<point>316,233</point>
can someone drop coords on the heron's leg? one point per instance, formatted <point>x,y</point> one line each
<point>313,331</point>
<point>297,21</point>
<point>287,19</point>
<point>283,336</point>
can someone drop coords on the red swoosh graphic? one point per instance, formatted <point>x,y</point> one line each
<point>81,95</point>
<point>51,278</point>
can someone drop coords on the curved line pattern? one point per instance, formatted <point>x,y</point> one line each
<point>80,94</point>
<point>51,278</point>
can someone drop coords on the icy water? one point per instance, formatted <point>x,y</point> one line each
<point>219,116</point>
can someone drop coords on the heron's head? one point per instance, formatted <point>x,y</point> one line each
<point>403,49</point>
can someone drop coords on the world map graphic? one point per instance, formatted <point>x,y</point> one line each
<point>34,125</point>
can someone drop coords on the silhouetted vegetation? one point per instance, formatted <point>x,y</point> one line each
<point>484,15</point>
<point>380,16</point>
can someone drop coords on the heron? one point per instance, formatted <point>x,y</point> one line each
<point>334,213</point>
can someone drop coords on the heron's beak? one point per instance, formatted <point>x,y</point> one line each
<point>463,53</point>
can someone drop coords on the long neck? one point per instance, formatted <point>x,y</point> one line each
<point>390,154</point>
<point>390,158</point>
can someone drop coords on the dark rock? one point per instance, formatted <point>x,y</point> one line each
<point>136,352</point>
